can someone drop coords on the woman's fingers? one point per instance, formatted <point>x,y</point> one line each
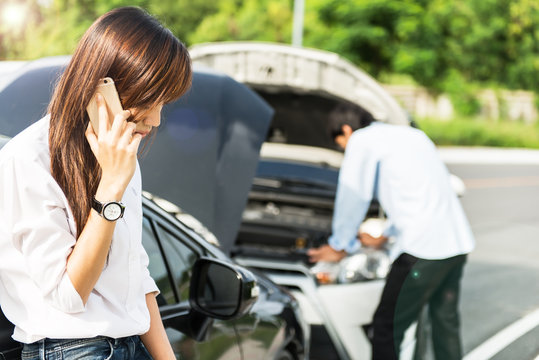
<point>103,116</point>
<point>92,138</point>
<point>119,123</point>
<point>135,142</point>
<point>115,127</point>
<point>115,147</point>
<point>127,134</point>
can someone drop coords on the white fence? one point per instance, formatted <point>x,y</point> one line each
<point>510,105</point>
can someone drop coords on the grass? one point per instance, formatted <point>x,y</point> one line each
<point>479,132</point>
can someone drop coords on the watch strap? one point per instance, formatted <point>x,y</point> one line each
<point>97,206</point>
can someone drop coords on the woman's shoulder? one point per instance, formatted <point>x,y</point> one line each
<point>29,146</point>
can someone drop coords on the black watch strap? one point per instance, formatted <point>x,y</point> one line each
<point>97,206</point>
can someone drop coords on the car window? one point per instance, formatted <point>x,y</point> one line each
<point>180,259</point>
<point>157,267</point>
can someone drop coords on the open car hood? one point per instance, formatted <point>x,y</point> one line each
<point>206,150</point>
<point>204,155</point>
<point>302,85</point>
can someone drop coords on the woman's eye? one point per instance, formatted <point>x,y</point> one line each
<point>136,118</point>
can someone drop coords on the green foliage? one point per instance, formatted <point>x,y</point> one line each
<point>444,45</point>
<point>482,40</point>
<point>56,28</point>
<point>363,31</point>
<point>462,94</point>
<point>262,20</point>
<point>48,30</point>
<point>183,16</point>
<point>476,132</point>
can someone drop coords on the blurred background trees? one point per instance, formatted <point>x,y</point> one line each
<point>445,45</point>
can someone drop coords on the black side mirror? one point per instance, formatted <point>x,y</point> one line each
<point>222,290</point>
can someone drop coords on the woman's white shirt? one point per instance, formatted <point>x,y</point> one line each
<point>37,234</point>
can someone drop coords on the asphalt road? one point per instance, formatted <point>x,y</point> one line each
<point>500,289</point>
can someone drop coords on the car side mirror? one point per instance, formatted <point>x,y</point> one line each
<point>222,290</point>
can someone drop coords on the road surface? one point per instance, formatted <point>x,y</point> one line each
<point>500,294</point>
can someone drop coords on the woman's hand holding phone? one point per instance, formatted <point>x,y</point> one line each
<point>115,146</point>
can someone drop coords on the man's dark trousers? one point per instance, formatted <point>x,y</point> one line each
<point>411,284</point>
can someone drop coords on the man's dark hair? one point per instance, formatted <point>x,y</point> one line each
<point>347,114</point>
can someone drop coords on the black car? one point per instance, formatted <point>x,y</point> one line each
<point>259,320</point>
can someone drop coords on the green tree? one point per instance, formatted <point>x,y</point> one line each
<point>262,20</point>
<point>55,28</point>
<point>445,45</point>
<point>364,31</point>
<point>183,16</point>
<point>482,41</point>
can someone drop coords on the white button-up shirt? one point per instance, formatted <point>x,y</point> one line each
<point>37,234</point>
<point>399,166</point>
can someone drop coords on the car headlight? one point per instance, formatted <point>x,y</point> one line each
<point>326,272</point>
<point>367,264</point>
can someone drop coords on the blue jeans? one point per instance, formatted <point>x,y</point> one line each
<point>98,348</point>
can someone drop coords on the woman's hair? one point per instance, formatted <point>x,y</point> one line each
<point>149,66</point>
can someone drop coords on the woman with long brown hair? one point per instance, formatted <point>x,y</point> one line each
<point>74,278</point>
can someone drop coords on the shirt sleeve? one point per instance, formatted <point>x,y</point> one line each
<point>390,230</point>
<point>34,214</point>
<point>148,283</point>
<point>357,178</point>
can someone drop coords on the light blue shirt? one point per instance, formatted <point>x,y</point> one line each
<point>399,166</point>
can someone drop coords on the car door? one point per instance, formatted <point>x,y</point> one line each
<point>172,255</point>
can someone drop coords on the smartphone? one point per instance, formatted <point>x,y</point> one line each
<point>107,89</point>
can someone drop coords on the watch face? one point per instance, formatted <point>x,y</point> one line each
<point>112,211</point>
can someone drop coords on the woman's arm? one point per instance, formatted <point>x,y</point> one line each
<point>155,339</point>
<point>87,260</point>
<point>115,148</point>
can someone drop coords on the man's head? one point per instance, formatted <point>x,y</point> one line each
<point>344,119</point>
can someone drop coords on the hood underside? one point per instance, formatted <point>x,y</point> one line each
<point>279,69</point>
<point>206,151</point>
<point>302,85</point>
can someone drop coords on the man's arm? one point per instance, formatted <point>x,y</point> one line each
<point>325,253</point>
<point>355,190</point>
<point>372,241</point>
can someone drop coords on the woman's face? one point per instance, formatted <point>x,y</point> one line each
<point>146,119</point>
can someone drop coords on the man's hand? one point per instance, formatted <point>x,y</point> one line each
<point>371,241</point>
<point>325,253</point>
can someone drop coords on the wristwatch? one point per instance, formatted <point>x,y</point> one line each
<point>111,211</point>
